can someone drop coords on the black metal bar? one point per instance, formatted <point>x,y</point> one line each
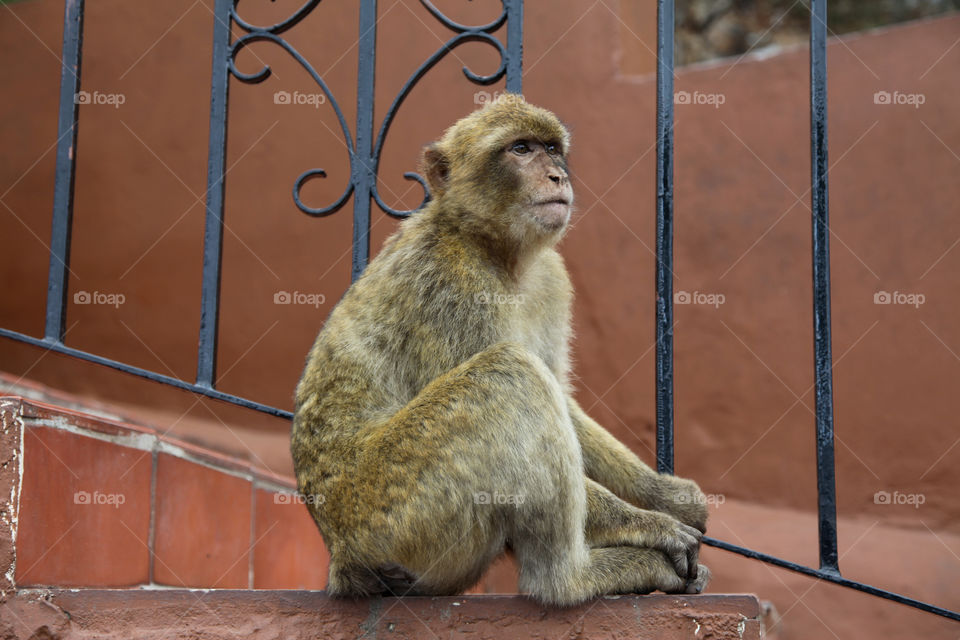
<point>664,275</point>
<point>59,347</point>
<point>364,166</point>
<point>64,176</point>
<point>823,360</point>
<point>832,576</point>
<point>514,46</point>
<point>216,167</point>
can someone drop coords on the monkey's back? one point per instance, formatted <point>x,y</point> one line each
<point>427,303</point>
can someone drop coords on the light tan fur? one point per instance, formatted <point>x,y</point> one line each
<point>435,425</point>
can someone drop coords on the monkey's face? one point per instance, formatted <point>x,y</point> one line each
<point>501,174</point>
<point>543,195</point>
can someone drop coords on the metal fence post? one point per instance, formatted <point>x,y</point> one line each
<point>823,360</point>
<point>65,171</point>
<point>664,273</point>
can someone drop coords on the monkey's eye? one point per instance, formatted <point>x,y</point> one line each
<point>520,147</point>
<point>552,149</point>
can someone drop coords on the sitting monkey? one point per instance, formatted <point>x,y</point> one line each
<point>435,414</point>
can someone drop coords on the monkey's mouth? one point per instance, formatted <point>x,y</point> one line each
<point>552,213</point>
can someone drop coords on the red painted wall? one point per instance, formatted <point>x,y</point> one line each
<point>743,367</point>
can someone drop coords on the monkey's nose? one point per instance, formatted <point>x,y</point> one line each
<point>555,178</point>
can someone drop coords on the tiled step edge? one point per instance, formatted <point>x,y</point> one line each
<point>284,549</point>
<point>141,437</point>
<point>148,615</point>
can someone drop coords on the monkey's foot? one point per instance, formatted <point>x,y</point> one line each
<point>698,584</point>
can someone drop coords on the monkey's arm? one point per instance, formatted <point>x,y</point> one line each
<point>612,464</point>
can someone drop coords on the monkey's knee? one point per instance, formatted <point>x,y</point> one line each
<point>509,367</point>
<point>683,499</point>
<point>510,358</point>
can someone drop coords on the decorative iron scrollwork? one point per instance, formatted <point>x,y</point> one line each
<point>272,33</point>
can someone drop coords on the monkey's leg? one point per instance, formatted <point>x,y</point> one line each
<point>613,465</point>
<point>484,454</point>
<point>558,565</point>
<point>438,487</point>
<point>538,464</point>
<point>612,521</point>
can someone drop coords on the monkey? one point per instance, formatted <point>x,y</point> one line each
<point>435,415</point>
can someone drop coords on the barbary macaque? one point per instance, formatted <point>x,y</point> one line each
<point>435,414</point>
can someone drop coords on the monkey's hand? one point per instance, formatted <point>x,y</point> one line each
<point>680,498</point>
<point>680,542</point>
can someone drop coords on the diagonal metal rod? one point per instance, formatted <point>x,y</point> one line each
<point>832,576</point>
<point>59,347</point>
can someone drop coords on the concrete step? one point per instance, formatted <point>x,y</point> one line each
<point>255,615</point>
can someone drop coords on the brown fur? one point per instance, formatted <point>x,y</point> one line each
<point>442,377</point>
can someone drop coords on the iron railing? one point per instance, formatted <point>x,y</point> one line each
<point>823,362</point>
<point>365,155</point>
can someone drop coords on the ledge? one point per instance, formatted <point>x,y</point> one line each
<point>222,614</point>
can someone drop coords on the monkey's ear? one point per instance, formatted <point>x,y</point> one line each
<point>436,167</point>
